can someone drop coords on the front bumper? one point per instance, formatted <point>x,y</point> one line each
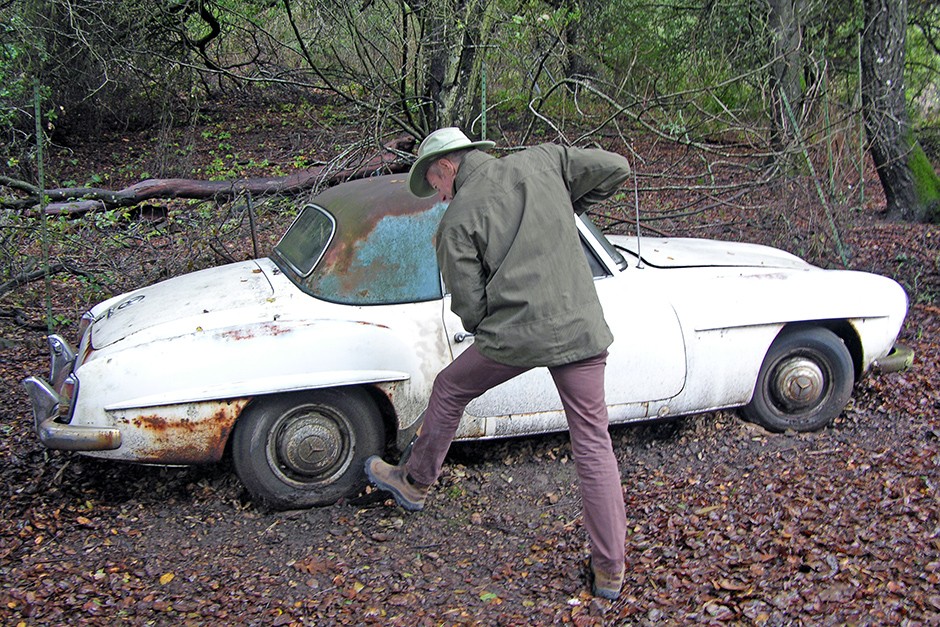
<point>50,408</point>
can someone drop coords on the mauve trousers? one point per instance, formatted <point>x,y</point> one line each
<point>581,388</point>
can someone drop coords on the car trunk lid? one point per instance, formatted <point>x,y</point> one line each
<point>695,253</point>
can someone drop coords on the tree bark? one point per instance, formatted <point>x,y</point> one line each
<point>83,199</point>
<point>890,138</point>
<point>456,33</point>
<point>785,73</point>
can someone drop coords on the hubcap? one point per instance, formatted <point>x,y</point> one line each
<point>799,383</point>
<point>310,445</point>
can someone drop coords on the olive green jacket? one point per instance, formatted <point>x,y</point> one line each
<point>511,256</point>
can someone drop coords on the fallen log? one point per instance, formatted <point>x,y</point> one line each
<point>28,276</point>
<point>79,200</point>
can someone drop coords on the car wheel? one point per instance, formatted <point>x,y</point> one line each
<point>804,383</point>
<point>300,450</point>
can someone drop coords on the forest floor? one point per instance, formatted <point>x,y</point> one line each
<point>727,523</point>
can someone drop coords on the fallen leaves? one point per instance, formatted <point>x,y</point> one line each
<point>727,523</point>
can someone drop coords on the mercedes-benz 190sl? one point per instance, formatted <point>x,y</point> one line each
<point>303,364</point>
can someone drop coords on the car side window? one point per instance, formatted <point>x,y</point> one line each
<point>306,240</point>
<point>597,268</point>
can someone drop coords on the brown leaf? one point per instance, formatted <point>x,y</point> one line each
<point>312,565</point>
<point>729,584</point>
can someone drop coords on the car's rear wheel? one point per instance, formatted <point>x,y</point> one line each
<point>305,449</point>
<point>804,382</point>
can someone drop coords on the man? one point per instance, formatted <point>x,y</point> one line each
<point>511,257</point>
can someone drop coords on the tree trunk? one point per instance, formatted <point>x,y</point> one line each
<point>576,16</point>
<point>890,138</point>
<point>456,33</point>
<point>785,72</point>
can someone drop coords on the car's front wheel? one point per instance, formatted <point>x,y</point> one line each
<point>305,449</point>
<point>804,382</point>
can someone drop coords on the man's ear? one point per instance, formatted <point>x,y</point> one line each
<point>438,168</point>
<point>444,166</point>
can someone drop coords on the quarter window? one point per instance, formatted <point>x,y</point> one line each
<point>306,240</point>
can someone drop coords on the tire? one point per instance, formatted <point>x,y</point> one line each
<point>299,450</point>
<point>805,381</point>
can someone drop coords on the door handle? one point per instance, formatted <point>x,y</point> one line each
<point>461,336</point>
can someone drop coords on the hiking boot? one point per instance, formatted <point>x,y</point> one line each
<point>606,585</point>
<point>394,479</point>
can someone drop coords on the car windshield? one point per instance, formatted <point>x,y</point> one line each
<point>366,242</point>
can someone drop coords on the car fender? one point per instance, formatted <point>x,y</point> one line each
<point>263,386</point>
<point>752,297</point>
<point>252,360</point>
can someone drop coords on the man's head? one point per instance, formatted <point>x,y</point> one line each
<point>439,158</point>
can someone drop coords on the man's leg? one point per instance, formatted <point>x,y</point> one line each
<point>581,387</point>
<point>466,378</point>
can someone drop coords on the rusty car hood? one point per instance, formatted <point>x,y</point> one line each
<point>186,303</point>
<point>680,252</point>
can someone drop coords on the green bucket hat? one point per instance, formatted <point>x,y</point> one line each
<point>434,146</point>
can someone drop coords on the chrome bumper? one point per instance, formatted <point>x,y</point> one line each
<point>900,358</point>
<point>48,407</point>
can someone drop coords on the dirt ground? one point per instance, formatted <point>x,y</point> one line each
<point>726,523</point>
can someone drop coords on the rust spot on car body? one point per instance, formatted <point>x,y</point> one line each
<point>189,433</point>
<point>239,334</point>
<point>367,323</point>
<point>255,330</point>
<point>471,428</point>
<point>768,276</point>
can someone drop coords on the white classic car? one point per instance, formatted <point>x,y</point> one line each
<point>305,363</point>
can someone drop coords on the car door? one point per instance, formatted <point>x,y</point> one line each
<point>646,362</point>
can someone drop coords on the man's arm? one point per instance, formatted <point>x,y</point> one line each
<point>464,277</point>
<point>592,175</point>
